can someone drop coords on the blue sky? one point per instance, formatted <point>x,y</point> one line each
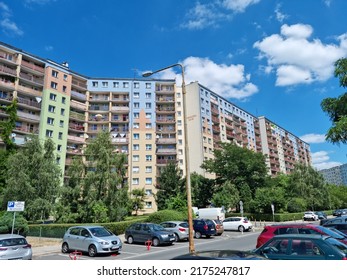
<point>271,58</point>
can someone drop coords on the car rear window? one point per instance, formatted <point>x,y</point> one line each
<point>12,242</point>
<point>185,225</point>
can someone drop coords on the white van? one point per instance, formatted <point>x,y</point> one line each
<point>212,213</point>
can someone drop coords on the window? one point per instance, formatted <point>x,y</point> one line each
<point>136,95</point>
<point>136,147</point>
<point>149,192</point>
<point>54,85</point>
<point>135,181</point>
<point>136,158</point>
<point>65,77</point>
<point>49,133</point>
<point>63,100</point>
<point>148,105</point>
<point>148,158</point>
<point>148,125</point>
<point>64,88</point>
<point>148,136</point>
<point>148,95</point>
<point>59,148</point>
<point>136,85</point>
<point>60,136</point>
<point>148,85</point>
<point>62,112</point>
<point>148,115</point>
<point>148,204</point>
<point>136,125</point>
<point>148,181</point>
<point>148,147</point>
<point>116,84</point>
<point>179,122</point>
<point>148,169</point>
<point>54,74</point>
<point>58,160</point>
<point>136,136</point>
<point>136,105</point>
<point>136,115</point>
<point>95,84</point>
<point>52,96</point>
<point>50,121</point>
<point>51,109</point>
<point>125,84</point>
<point>136,169</point>
<point>104,84</point>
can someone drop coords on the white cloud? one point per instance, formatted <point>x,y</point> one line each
<point>238,6</point>
<point>327,2</point>
<point>229,81</point>
<point>279,15</point>
<point>10,27</point>
<point>320,160</point>
<point>313,138</point>
<point>298,60</point>
<point>5,11</point>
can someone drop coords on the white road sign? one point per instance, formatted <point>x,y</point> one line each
<point>15,206</point>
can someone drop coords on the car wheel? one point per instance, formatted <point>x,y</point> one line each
<point>176,237</point>
<point>92,251</point>
<point>197,234</point>
<point>130,240</point>
<point>155,242</point>
<point>241,228</point>
<point>65,248</point>
<point>208,235</point>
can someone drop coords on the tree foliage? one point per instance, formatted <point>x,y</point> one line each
<point>202,190</point>
<point>138,199</point>
<point>34,177</point>
<point>336,108</point>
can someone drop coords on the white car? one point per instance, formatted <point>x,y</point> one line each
<point>310,216</point>
<point>237,223</point>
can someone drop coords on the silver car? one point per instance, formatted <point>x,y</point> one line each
<point>14,247</point>
<point>179,228</point>
<point>91,239</point>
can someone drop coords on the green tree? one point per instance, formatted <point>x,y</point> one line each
<point>169,184</point>
<point>264,197</point>
<point>138,199</point>
<point>227,195</point>
<point>202,190</point>
<point>34,177</point>
<point>8,125</point>
<point>240,166</point>
<point>336,108</point>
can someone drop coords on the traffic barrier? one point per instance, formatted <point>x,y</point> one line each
<point>75,255</point>
<point>148,243</point>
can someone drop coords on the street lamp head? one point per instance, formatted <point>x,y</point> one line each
<point>147,74</point>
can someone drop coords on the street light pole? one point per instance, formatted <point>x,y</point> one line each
<point>187,168</point>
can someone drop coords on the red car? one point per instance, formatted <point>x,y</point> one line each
<point>297,228</point>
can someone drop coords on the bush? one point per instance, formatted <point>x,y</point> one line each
<point>167,215</point>
<point>20,224</point>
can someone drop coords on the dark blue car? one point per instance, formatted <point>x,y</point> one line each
<point>204,227</point>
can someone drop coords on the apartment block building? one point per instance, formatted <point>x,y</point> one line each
<point>144,116</point>
<point>335,175</point>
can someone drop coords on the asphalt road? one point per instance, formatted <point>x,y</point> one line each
<point>229,240</point>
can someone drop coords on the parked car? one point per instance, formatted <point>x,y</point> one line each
<point>14,247</point>
<point>92,239</point>
<point>321,215</point>
<point>237,223</point>
<point>179,228</point>
<point>302,247</point>
<point>340,212</point>
<point>203,227</point>
<point>219,227</point>
<point>337,220</point>
<point>342,227</point>
<point>295,228</point>
<point>143,232</point>
<point>220,255</point>
<point>310,216</point>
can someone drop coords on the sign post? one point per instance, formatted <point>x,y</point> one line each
<point>15,206</point>
<point>273,211</point>
<point>241,208</point>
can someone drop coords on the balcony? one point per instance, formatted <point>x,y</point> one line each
<point>27,129</point>
<point>78,105</point>
<point>6,84</point>
<point>27,116</point>
<point>75,126</point>
<point>165,89</point>
<point>31,79</point>
<point>78,95</point>
<point>165,161</point>
<point>164,99</point>
<point>33,66</point>
<point>166,141</point>
<point>7,57</point>
<point>120,120</point>
<point>77,116</point>
<point>29,90</point>
<point>163,151</point>
<point>7,70</point>
<point>28,102</point>
<point>76,139</point>
<point>99,108</point>
<point>165,120</point>
<point>79,84</point>
<point>120,109</point>
<point>165,109</point>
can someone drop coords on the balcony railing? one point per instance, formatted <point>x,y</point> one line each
<point>8,70</point>
<point>28,116</point>
<point>77,116</point>
<point>78,95</point>
<point>33,66</point>
<point>29,90</point>
<point>76,139</point>
<point>29,102</point>
<point>76,127</point>
<point>30,78</point>
<point>79,84</point>
<point>78,105</point>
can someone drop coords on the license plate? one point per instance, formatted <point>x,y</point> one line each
<point>172,239</point>
<point>114,248</point>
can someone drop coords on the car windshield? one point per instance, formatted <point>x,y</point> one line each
<point>100,232</point>
<point>330,232</point>
<point>337,244</point>
<point>12,242</point>
<point>156,227</point>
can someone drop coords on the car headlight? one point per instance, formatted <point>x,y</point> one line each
<point>165,235</point>
<point>104,243</point>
